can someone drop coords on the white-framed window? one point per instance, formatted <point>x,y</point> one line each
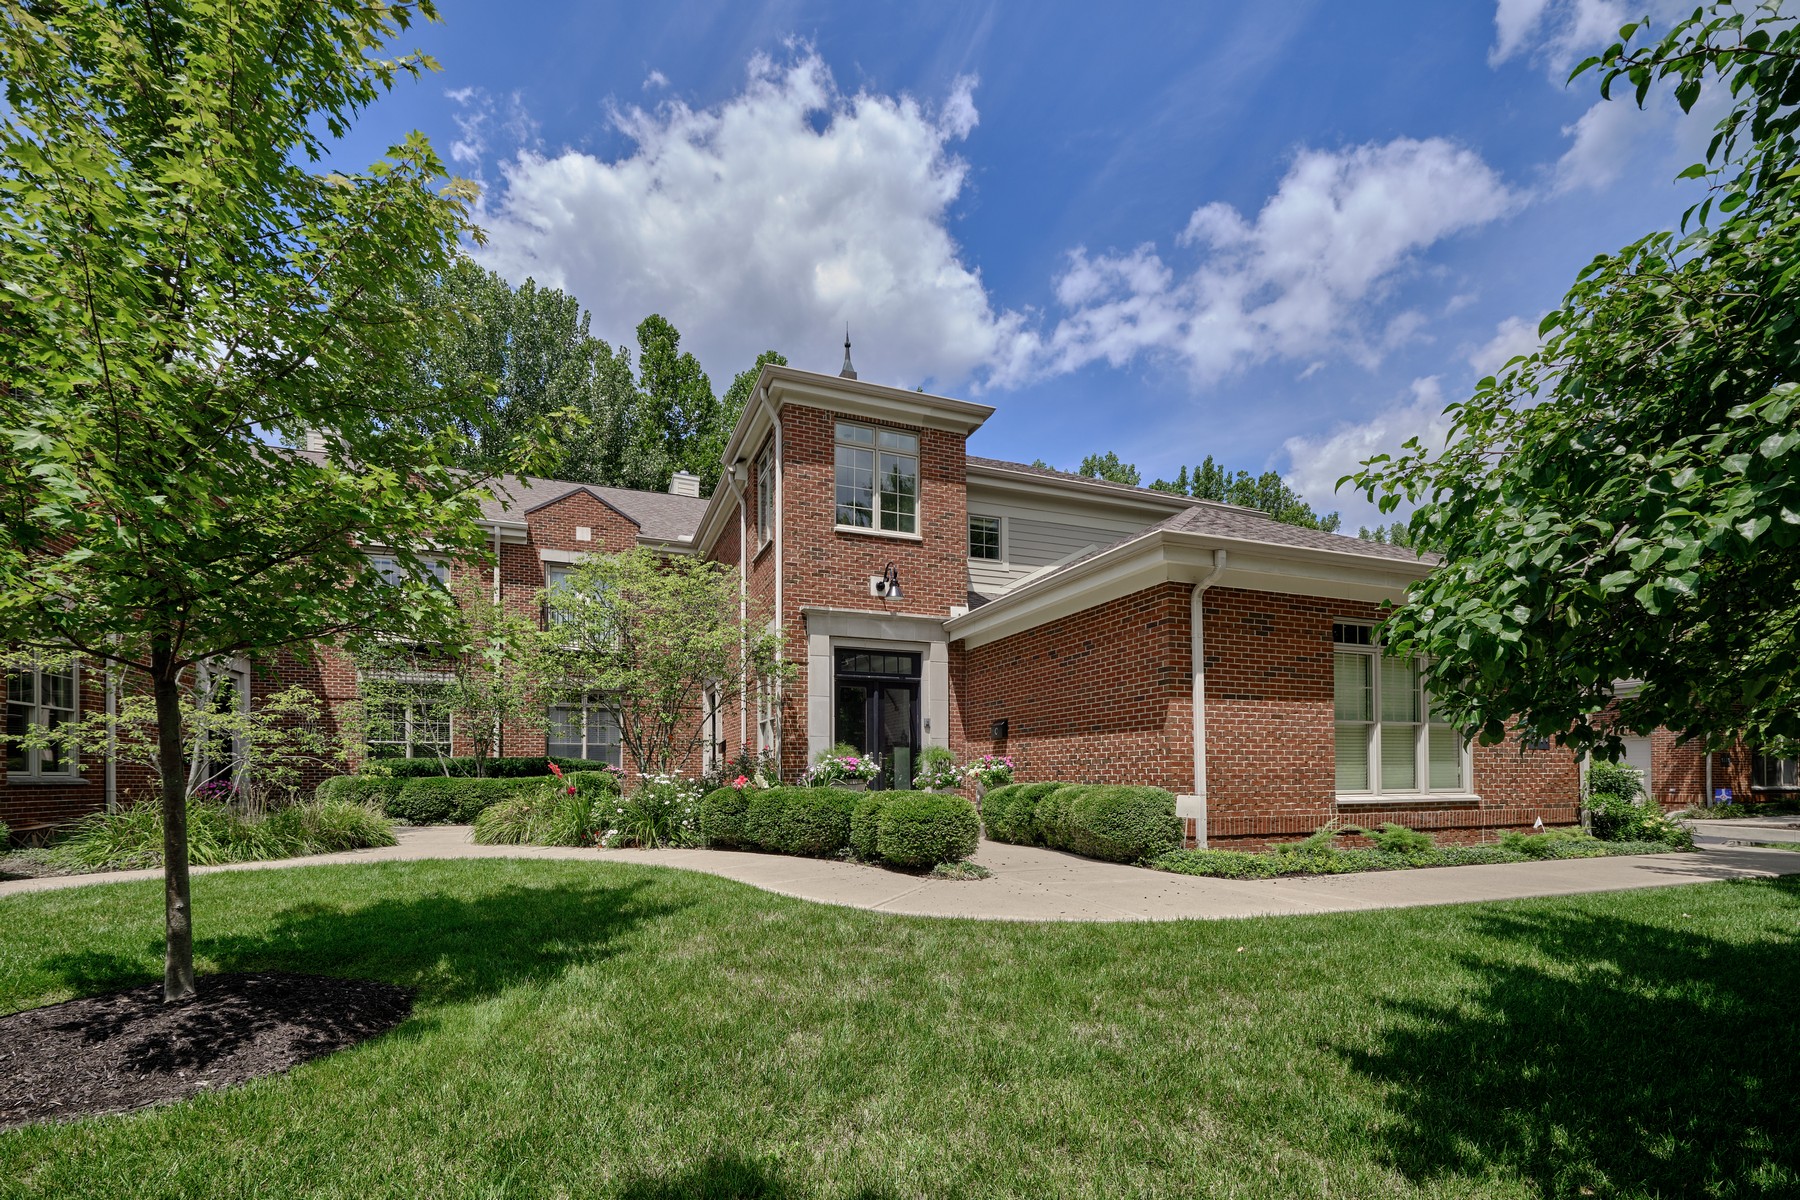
<point>1388,739</point>
<point>765,496</point>
<point>768,716</point>
<point>1775,774</point>
<point>585,729</point>
<point>877,479</point>
<point>558,579</point>
<point>395,572</point>
<point>45,699</point>
<point>227,688</point>
<point>415,724</point>
<point>984,538</point>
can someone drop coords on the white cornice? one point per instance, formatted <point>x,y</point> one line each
<point>1174,556</point>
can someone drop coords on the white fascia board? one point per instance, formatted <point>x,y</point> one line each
<point>857,398</point>
<point>512,533</point>
<point>1163,556</point>
<point>679,546</point>
<point>1096,494</point>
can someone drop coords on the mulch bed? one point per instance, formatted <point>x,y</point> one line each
<point>127,1050</point>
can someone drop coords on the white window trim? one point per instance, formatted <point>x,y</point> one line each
<point>1004,558</point>
<point>588,702</point>
<point>1464,792</point>
<point>408,741</point>
<point>765,496</point>
<point>34,773</point>
<point>440,567</point>
<point>874,447</point>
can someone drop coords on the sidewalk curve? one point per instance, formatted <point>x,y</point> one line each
<point>1032,884</point>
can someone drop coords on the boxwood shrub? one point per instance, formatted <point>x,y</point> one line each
<point>359,789</point>
<point>865,825</point>
<point>808,821</point>
<point>595,785</point>
<point>722,813</point>
<point>1119,824</point>
<point>455,801</point>
<point>463,767</point>
<point>923,829</point>
<point>1010,812</point>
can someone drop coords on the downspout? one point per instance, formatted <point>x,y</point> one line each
<point>780,523</point>
<point>1708,798</point>
<point>499,738</point>
<point>1197,636</point>
<point>112,738</point>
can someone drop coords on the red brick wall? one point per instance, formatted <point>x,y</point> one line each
<point>1102,696</point>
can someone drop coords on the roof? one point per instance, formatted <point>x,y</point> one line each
<point>659,516</point>
<point>1088,482</point>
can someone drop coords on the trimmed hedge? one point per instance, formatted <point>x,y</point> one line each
<point>923,829</point>
<point>456,801</point>
<point>463,767</point>
<point>359,789</point>
<point>865,825</point>
<point>806,821</point>
<point>1009,812</point>
<point>595,785</point>
<point>722,813</point>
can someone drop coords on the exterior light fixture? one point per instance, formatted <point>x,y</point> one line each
<point>886,586</point>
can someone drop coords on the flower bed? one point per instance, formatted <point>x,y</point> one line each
<point>1314,858</point>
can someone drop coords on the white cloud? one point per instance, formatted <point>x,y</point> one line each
<point>656,79</point>
<point>477,116</point>
<point>1300,279</point>
<point>768,221</point>
<point>1557,31</point>
<point>1512,337</point>
<point>1318,463</point>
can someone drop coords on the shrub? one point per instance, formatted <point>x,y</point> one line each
<point>5,836</point>
<point>811,821</point>
<point>1050,815</point>
<point>664,810</point>
<point>722,813</point>
<point>529,766</point>
<point>923,829</point>
<point>1010,812</point>
<point>1397,839</point>
<point>330,826</point>
<point>1552,843</point>
<point>1118,824</point>
<point>865,825</point>
<point>371,791</point>
<point>598,784</point>
<point>132,836</point>
<point>456,801</point>
<point>543,815</point>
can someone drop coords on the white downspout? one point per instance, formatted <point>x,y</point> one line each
<point>499,734</point>
<point>112,738</point>
<point>1708,798</point>
<point>780,522</point>
<point>1197,636</point>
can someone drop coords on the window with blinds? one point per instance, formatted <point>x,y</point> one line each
<point>1389,741</point>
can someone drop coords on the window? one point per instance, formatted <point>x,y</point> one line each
<point>45,700</point>
<point>984,538</point>
<point>765,496</point>
<point>415,725</point>
<point>1778,774</point>
<point>877,479</point>
<point>395,572</point>
<point>558,579</point>
<point>1389,741</point>
<point>585,729</point>
<point>768,717</point>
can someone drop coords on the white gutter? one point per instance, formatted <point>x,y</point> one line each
<point>1197,636</point>
<point>780,523</point>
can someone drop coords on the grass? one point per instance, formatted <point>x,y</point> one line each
<point>596,1029</point>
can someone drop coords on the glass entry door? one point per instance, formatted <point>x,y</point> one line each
<point>878,710</point>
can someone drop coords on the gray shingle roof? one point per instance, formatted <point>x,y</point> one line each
<point>659,515</point>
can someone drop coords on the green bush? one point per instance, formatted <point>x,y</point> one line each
<point>458,801</point>
<point>1118,824</point>
<point>1397,839</point>
<point>545,815</point>
<point>812,821</point>
<point>5,836</point>
<point>1552,843</point>
<point>865,825</point>
<point>663,810</point>
<point>359,789</point>
<point>132,837</point>
<point>923,829</point>
<point>722,813</point>
<point>1290,860</point>
<point>1010,812</point>
<point>464,767</point>
<point>597,784</point>
<point>1050,815</point>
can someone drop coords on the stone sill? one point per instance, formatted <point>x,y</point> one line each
<point>1396,799</point>
<point>894,534</point>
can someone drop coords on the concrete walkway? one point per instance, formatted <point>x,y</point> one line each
<point>1746,831</point>
<point>1044,885</point>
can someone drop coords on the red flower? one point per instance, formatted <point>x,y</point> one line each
<point>556,770</point>
<point>739,782</point>
<point>571,789</point>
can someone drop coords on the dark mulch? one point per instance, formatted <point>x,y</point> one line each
<point>128,1049</point>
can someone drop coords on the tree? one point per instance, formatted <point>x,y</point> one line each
<point>731,407</point>
<point>1397,534</point>
<point>1108,467</point>
<point>1267,492</point>
<point>179,279</point>
<point>532,347</point>
<point>661,639</point>
<point>1624,503</point>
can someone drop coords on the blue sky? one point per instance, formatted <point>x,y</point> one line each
<point>1282,234</point>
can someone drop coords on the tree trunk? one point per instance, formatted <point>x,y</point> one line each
<point>178,959</point>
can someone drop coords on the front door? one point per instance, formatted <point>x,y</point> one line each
<point>878,710</point>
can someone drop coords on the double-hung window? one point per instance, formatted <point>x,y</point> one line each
<point>877,479</point>
<point>395,572</point>
<point>560,596</point>
<point>1389,741</point>
<point>585,729</point>
<point>1775,774</point>
<point>44,701</point>
<point>414,724</point>
<point>984,538</point>
<point>765,496</point>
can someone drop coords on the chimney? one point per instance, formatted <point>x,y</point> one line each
<point>683,484</point>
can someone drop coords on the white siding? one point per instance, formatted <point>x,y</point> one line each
<point>1037,534</point>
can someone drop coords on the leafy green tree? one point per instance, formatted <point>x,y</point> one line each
<point>531,346</point>
<point>1625,502</point>
<point>1267,493</point>
<point>181,277</point>
<point>675,415</point>
<point>1397,534</point>
<point>731,407</point>
<point>662,639</point>
<point>1108,467</point>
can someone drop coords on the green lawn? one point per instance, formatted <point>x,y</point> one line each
<point>596,1029</point>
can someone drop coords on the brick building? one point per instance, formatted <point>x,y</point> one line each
<point>1091,631</point>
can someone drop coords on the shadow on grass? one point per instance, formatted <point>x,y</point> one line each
<point>1627,1058</point>
<point>726,1177</point>
<point>447,947</point>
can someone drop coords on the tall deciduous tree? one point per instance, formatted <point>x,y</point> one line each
<point>180,278</point>
<point>1625,502</point>
<point>1267,492</point>
<point>1111,468</point>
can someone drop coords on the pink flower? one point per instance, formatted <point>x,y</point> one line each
<point>556,771</point>
<point>740,782</point>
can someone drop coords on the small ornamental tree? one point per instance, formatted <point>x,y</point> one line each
<point>661,640</point>
<point>180,280</point>
<point>1625,502</point>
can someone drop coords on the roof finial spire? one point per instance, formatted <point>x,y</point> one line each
<point>849,372</point>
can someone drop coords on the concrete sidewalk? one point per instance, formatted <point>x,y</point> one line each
<point>1739,831</point>
<point>1030,884</point>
